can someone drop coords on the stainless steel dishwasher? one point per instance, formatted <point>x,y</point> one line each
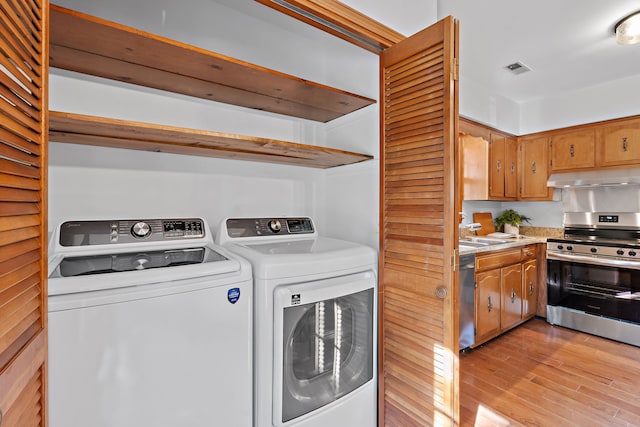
<point>467,300</point>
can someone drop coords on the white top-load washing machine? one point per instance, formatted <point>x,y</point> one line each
<point>150,324</point>
<point>315,323</point>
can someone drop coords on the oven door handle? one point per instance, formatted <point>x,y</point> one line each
<point>606,262</point>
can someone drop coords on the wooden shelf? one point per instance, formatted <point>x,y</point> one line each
<point>105,132</point>
<point>90,45</point>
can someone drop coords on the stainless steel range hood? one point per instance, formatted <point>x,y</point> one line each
<point>609,177</point>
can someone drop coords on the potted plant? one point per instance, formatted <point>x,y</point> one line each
<point>510,220</point>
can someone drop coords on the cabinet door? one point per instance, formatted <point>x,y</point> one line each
<point>23,212</point>
<point>511,168</point>
<point>574,150</point>
<point>496,166</point>
<point>475,167</point>
<point>487,305</point>
<point>529,288</point>
<point>511,291</point>
<point>534,171</point>
<point>619,144</point>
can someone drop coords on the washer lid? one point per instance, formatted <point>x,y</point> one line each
<point>299,258</point>
<point>103,272</point>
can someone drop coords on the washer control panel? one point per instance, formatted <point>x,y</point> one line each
<point>85,233</point>
<point>256,227</point>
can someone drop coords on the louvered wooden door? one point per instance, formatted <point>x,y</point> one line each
<point>23,230</point>
<point>418,316</point>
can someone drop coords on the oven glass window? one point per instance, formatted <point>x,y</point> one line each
<point>328,351</point>
<point>601,290</point>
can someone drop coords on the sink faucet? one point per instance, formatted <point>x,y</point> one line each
<point>474,226</point>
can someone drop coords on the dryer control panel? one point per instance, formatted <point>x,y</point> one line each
<point>255,227</point>
<point>85,233</point>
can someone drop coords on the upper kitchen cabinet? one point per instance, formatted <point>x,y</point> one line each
<point>619,143</point>
<point>503,178</point>
<point>489,163</point>
<point>90,45</point>
<point>573,150</point>
<point>534,168</point>
<point>475,166</point>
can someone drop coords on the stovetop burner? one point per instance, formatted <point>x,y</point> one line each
<point>598,234</point>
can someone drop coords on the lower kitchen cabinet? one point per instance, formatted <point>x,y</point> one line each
<point>505,290</point>
<point>511,292</point>
<point>529,288</point>
<point>487,316</point>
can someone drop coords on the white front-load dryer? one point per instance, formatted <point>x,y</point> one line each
<point>315,323</point>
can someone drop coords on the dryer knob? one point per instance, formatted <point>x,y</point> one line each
<point>275,226</point>
<point>140,230</point>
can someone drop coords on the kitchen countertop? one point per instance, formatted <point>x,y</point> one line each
<point>512,242</point>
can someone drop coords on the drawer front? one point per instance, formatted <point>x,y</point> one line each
<point>529,252</point>
<point>498,259</point>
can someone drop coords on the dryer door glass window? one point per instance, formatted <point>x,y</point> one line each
<point>328,351</point>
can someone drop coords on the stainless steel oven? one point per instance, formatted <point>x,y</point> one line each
<point>593,275</point>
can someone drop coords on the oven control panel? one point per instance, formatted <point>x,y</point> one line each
<point>567,247</point>
<point>86,233</point>
<point>265,227</point>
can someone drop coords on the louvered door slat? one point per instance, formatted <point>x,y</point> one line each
<point>18,388</point>
<point>418,234</point>
<point>15,55</point>
<point>20,41</point>
<point>8,252</point>
<point>12,139</point>
<point>28,412</point>
<point>30,17</point>
<point>19,103</point>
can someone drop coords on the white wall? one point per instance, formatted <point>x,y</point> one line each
<point>606,101</point>
<point>482,106</point>
<point>93,182</point>
<point>542,214</point>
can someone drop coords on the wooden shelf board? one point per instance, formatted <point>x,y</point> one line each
<point>90,45</point>
<point>90,130</point>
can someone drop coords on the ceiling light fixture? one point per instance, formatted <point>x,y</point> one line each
<point>628,29</point>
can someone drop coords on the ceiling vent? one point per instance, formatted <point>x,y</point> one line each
<point>517,68</point>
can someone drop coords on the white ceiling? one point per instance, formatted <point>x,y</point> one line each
<point>569,44</point>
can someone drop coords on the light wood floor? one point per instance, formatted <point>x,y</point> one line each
<point>543,375</point>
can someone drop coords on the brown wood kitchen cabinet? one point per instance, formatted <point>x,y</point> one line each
<point>619,143</point>
<point>487,309</point>
<point>489,163</point>
<point>573,150</point>
<point>503,181</point>
<point>534,168</point>
<point>505,290</point>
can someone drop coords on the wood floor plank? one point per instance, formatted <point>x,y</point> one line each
<point>543,375</point>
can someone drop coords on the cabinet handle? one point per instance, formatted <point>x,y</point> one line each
<point>489,306</point>
<point>529,253</point>
<point>513,295</point>
<point>498,165</point>
<point>624,144</point>
<point>572,150</point>
<point>530,289</point>
<point>513,168</point>
<point>533,167</point>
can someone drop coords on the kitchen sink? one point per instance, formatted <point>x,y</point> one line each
<point>479,242</point>
<point>471,244</point>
